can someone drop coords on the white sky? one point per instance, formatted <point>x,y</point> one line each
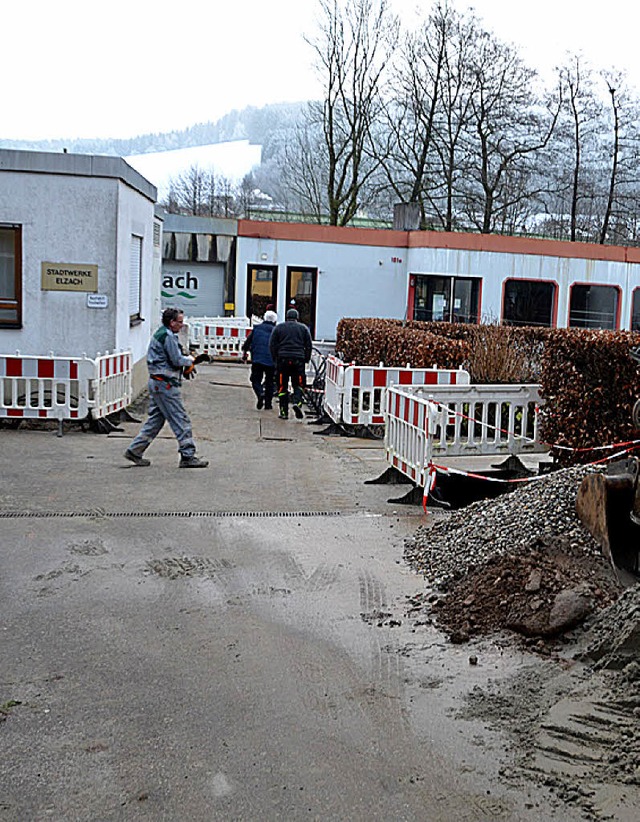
<point>75,68</point>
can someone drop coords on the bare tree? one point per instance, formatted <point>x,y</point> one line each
<point>352,48</point>
<point>509,125</point>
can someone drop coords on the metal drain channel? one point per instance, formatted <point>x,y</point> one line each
<point>175,514</point>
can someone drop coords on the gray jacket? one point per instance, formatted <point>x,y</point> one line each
<point>164,357</point>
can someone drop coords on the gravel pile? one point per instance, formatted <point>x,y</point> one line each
<point>535,513</point>
<point>521,562</point>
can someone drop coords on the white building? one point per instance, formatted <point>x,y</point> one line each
<point>80,256</point>
<point>332,273</point>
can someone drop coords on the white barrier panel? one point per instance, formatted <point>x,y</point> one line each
<point>50,387</point>
<point>365,388</point>
<point>113,383</point>
<point>408,436</point>
<point>334,388</point>
<point>220,340</point>
<point>484,419</point>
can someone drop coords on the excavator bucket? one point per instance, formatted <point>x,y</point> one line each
<point>608,505</point>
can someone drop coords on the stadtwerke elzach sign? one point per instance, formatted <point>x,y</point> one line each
<point>69,277</point>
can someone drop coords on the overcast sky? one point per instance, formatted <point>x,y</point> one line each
<point>75,68</point>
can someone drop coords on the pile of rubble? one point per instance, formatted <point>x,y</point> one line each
<point>522,562</point>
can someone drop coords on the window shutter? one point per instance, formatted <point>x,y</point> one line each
<point>135,275</point>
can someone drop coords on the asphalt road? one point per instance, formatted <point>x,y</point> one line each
<point>228,643</point>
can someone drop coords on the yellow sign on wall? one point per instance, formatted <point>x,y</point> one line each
<point>69,277</point>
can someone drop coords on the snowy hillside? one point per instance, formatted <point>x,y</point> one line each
<point>231,160</point>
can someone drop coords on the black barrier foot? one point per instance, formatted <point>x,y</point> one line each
<point>125,416</point>
<point>389,477</point>
<point>514,465</point>
<point>335,430</point>
<point>412,497</point>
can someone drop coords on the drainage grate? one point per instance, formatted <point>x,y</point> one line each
<point>177,514</point>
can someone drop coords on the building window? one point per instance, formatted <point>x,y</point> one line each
<point>594,306</point>
<point>135,279</point>
<point>447,299</point>
<point>635,310</point>
<point>529,302</point>
<point>10,276</point>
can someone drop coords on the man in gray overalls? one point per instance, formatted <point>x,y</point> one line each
<point>165,362</point>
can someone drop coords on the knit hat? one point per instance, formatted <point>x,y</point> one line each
<point>292,314</point>
<point>270,317</point>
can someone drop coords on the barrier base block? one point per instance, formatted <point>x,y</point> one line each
<point>335,429</point>
<point>390,477</point>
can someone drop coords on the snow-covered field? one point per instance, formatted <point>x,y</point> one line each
<point>231,160</point>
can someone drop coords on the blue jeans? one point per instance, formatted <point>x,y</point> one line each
<point>165,404</point>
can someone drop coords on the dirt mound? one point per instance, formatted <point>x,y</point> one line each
<point>522,562</point>
<point>542,593</point>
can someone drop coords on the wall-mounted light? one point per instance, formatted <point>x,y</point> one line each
<point>263,256</point>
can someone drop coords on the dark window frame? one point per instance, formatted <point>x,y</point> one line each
<point>451,280</point>
<point>554,301</point>
<point>305,269</point>
<point>616,316</point>
<point>257,267</point>
<point>7,303</point>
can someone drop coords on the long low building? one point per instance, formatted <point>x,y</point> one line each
<point>424,275</point>
<point>87,261</point>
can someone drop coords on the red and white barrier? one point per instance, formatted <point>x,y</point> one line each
<point>408,437</point>
<point>64,388</point>
<point>220,337</point>
<point>460,420</point>
<point>113,383</point>
<point>485,419</point>
<point>45,387</point>
<point>355,394</point>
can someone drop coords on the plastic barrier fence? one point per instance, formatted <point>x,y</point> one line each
<point>219,339</point>
<point>485,419</point>
<point>113,383</point>
<point>359,397</point>
<point>45,387</point>
<point>470,420</point>
<point>408,437</point>
<point>334,388</point>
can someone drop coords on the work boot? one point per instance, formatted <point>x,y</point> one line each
<point>137,460</point>
<point>284,414</point>
<point>193,462</point>
<point>260,403</point>
<point>268,406</point>
<point>297,410</point>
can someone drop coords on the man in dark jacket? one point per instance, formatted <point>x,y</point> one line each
<point>290,346</point>
<point>262,367</point>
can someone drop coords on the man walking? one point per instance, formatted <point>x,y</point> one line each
<point>165,362</point>
<point>261,360</point>
<point>290,346</point>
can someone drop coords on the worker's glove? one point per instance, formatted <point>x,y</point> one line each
<point>245,357</point>
<point>189,372</point>
<point>204,357</point>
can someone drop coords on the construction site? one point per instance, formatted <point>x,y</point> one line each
<point>281,636</point>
